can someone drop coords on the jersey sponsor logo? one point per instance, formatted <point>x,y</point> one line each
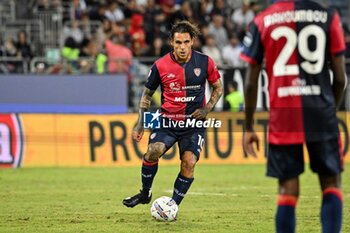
<point>197,71</point>
<point>185,99</point>
<point>192,87</point>
<point>11,141</point>
<point>171,75</point>
<point>175,86</point>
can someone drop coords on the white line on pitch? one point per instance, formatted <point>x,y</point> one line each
<point>204,194</point>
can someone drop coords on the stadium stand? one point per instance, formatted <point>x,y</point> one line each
<point>49,23</point>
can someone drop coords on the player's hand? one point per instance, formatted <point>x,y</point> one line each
<point>137,133</point>
<point>199,114</point>
<point>249,138</point>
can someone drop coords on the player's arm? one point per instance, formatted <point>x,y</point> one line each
<point>250,93</point>
<point>214,98</point>
<point>339,81</point>
<point>145,103</point>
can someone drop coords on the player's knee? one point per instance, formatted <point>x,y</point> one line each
<point>155,150</point>
<point>188,163</point>
<point>289,187</point>
<point>330,182</point>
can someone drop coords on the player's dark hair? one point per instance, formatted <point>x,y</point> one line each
<point>184,27</point>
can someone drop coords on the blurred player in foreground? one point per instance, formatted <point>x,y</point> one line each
<point>182,75</point>
<point>300,41</point>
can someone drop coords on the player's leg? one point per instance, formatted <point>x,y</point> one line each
<point>159,142</point>
<point>185,177</point>
<point>150,164</point>
<point>288,194</point>
<point>286,163</point>
<point>190,145</point>
<point>332,204</point>
<point>326,160</point>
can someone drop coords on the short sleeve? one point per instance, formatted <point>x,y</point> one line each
<point>336,36</point>
<point>213,73</point>
<point>153,79</point>
<point>253,50</point>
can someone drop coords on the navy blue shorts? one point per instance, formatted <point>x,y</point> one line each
<point>287,161</point>
<point>189,139</point>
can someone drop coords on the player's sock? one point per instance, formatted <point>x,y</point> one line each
<point>331,210</point>
<point>148,172</point>
<point>285,216</point>
<point>181,186</point>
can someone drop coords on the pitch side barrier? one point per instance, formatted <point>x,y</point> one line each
<point>81,94</point>
<point>72,140</point>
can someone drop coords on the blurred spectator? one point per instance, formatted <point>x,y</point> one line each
<point>184,13</point>
<point>197,45</point>
<point>70,50</point>
<point>44,5</point>
<point>137,35</point>
<point>212,50</point>
<point>234,4</point>
<point>217,29</point>
<point>131,8</point>
<point>232,51</point>
<point>78,9</point>
<point>119,56</point>
<point>220,8</point>
<point>202,15</point>
<point>114,12</point>
<point>97,12</point>
<point>73,30</point>
<point>22,46</point>
<point>154,22</point>
<point>2,47</point>
<point>10,50</point>
<point>104,32</point>
<point>234,98</point>
<point>168,8</point>
<point>242,16</point>
<point>204,33</point>
<point>101,61</point>
<point>158,48</point>
<point>118,29</point>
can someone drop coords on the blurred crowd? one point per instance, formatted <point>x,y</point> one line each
<point>139,28</point>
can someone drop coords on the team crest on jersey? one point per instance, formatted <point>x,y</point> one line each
<point>197,71</point>
<point>11,141</point>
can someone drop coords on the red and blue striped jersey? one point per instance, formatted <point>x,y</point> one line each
<point>297,40</point>
<point>182,85</point>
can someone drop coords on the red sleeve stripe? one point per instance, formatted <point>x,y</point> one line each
<point>149,164</point>
<point>333,191</point>
<point>248,59</point>
<point>287,200</point>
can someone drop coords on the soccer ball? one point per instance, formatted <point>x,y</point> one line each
<point>164,209</point>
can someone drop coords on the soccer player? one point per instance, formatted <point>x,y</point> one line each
<point>300,41</point>
<point>182,75</point>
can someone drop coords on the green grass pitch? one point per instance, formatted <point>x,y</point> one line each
<point>223,198</point>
